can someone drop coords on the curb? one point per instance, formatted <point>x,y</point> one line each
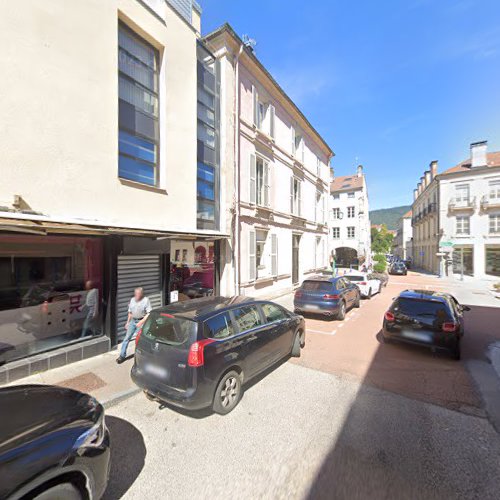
<point>119,397</point>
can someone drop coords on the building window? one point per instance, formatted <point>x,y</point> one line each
<point>463,224</point>
<point>296,196</point>
<point>264,255</point>
<point>493,261</point>
<point>494,223</point>
<point>208,137</point>
<point>462,193</point>
<point>319,214</point>
<point>494,190</point>
<point>262,182</point>
<point>335,233</point>
<point>350,212</point>
<point>336,213</point>
<point>138,138</point>
<point>264,114</point>
<point>350,195</point>
<point>335,196</point>
<point>351,232</point>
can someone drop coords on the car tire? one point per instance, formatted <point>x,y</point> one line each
<point>357,302</point>
<point>62,491</point>
<point>295,353</point>
<point>341,313</point>
<point>369,296</point>
<point>228,393</point>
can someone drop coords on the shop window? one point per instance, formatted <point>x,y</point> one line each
<point>50,293</point>
<point>493,261</point>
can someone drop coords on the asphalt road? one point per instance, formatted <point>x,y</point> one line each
<point>302,433</point>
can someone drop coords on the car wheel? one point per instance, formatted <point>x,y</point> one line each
<point>357,302</point>
<point>63,491</point>
<point>341,313</point>
<point>296,346</point>
<point>455,353</point>
<point>228,393</point>
<point>369,296</point>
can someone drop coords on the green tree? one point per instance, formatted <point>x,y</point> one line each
<point>381,239</point>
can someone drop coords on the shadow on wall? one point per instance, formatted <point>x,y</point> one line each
<point>391,446</point>
<point>128,453</point>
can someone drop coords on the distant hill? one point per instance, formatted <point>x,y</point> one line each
<point>388,216</point>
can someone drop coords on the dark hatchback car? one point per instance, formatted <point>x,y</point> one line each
<point>327,296</point>
<point>198,353</point>
<point>53,444</point>
<point>426,318</point>
<point>398,267</point>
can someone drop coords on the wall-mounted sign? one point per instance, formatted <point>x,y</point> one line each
<point>174,296</point>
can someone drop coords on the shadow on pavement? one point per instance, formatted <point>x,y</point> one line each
<point>394,446</point>
<point>128,453</point>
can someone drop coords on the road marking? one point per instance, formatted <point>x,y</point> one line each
<point>324,333</point>
<point>341,325</point>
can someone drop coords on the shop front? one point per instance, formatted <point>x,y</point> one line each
<point>51,290</point>
<point>463,260</point>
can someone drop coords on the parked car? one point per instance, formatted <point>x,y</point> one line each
<point>398,268</point>
<point>367,283</point>
<point>407,263</point>
<point>328,296</point>
<point>198,353</point>
<point>53,444</point>
<point>383,277</point>
<point>427,318</point>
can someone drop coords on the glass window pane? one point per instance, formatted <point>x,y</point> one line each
<point>206,210</point>
<point>247,318</point>
<point>205,190</point>
<point>137,147</point>
<point>206,173</point>
<point>206,115</point>
<point>206,134</point>
<point>273,312</point>
<point>137,71</point>
<point>220,326</point>
<point>138,97</point>
<point>135,170</point>
<point>137,47</point>
<point>206,98</point>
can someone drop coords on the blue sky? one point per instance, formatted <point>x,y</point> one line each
<point>391,84</point>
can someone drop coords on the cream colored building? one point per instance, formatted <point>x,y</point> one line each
<point>279,165</point>
<point>109,159</point>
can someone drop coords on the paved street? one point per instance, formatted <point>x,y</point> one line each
<point>351,418</point>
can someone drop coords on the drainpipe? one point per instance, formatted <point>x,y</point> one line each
<point>236,170</point>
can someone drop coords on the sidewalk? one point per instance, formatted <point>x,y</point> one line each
<point>99,376</point>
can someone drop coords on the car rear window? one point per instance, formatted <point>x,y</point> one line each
<point>316,286</point>
<point>169,329</point>
<point>419,307</point>
<point>355,278</point>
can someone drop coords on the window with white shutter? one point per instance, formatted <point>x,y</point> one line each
<point>252,266</point>
<point>253,179</point>
<point>266,184</point>
<point>274,255</point>
<point>272,119</point>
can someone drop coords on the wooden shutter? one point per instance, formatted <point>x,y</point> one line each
<point>272,116</point>
<point>274,254</point>
<point>252,270</point>
<point>255,97</point>
<point>266,184</point>
<point>253,179</point>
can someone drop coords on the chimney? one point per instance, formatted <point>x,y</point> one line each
<point>478,151</point>
<point>434,168</point>
<point>415,194</point>
<point>428,178</point>
<point>422,184</point>
<point>419,188</point>
<point>360,170</point>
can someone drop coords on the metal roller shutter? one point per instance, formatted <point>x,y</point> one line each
<point>134,271</point>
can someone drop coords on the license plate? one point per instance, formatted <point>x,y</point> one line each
<point>157,371</point>
<point>311,307</point>
<point>420,336</point>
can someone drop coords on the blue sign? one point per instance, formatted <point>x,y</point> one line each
<point>422,253</point>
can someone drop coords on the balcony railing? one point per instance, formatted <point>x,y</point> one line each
<point>462,204</point>
<point>490,202</point>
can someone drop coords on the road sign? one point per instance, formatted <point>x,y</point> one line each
<point>422,253</point>
<point>446,244</point>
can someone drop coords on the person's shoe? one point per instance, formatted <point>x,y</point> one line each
<point>120,360</point>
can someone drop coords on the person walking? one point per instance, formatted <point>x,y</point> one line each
<point>138,312</point>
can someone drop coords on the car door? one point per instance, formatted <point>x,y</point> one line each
<point>344,287</point>
<point>281,329</point>
<point>374,283</point>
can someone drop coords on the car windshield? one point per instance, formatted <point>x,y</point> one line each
<point>418,307</point>
<point>169,329</point>
<point>316,286</point>
<point>356,278</point>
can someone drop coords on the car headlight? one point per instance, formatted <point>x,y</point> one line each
<point>93,437</point>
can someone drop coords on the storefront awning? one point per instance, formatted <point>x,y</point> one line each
<point>45,227</point>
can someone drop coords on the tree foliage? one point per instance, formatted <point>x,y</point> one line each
<point>381,239</point>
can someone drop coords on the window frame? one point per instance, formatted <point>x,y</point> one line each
<point>353,237</point>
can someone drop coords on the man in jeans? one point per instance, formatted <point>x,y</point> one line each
<point>138,312</point>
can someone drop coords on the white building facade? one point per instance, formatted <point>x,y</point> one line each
<point>349,220</point>
<point>275,177</point>
<point>402,244</point>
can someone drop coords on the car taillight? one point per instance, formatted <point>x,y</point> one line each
<point>329,296</point>
<point>298,294</point>
<point>363,283</point>
<point>389,316</point>
<point>138,336</point>
<point>45,307</point>
<point>449,327</point>
<point>195,356</point>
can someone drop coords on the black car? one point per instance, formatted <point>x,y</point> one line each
<point>398,267</point>
<point>326,296</point>
<point>198,353</point>
<point>428,318</point>
<point>53,444</point>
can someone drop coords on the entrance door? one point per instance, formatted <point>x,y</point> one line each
<point>295,258</point>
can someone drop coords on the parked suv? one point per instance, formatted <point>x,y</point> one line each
<point>327,296</point>
<point>198,353</point>
<point>426,318</point>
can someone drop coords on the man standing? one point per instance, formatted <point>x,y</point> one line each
<point>138,312</point>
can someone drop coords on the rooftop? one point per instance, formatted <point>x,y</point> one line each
<point>493,160</point>
<point>346,183</point>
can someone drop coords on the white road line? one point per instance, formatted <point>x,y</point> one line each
<point>341,325</point>
<point>308,330</point>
